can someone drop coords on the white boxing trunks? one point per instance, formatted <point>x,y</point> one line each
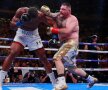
<point>31,39</point>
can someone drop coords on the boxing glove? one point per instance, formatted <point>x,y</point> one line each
<point>19,23</point>
<point>53,43</point>
<point>25,17</point>
<point>48,32</point>
<point>51,30</point>
<point>45,9</point>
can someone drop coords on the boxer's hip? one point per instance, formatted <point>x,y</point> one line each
<point>27,33</point>
<point>67,53</point>
<point>67,46</point>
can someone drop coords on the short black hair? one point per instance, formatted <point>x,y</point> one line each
<point>33,12</point>
<point>66,4</point>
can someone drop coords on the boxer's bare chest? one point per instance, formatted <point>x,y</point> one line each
<point>31,25</point>
<point>61,22</point>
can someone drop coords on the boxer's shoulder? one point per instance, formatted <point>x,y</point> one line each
<point>21,10</point>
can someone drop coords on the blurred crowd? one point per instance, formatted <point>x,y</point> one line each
<point>37,76</point>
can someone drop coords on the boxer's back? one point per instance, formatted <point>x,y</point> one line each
<point>29,25</point>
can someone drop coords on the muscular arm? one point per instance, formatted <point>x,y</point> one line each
<point>46,10</point>
<point>47,20</point>
<point>54,15</point>
<point>71,24</point>
<point>51,22</point>
<point>15,19</point>
<point>13,22</point>
<point>17,16</point>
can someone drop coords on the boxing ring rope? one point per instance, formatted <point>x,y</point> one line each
<point>41,68</point>
<point>79,60</point>
<point>45,41</point>
<point>55,49</point>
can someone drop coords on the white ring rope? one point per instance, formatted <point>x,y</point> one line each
<point>78,60</point>
<point>45,41</point>
<point>42,68</point>
<point>55,49</point>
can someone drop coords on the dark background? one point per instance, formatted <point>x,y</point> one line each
<point>92,14</point>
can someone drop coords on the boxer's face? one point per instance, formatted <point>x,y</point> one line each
<point>64,11</point>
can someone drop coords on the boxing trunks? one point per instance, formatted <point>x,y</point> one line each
<point>31,39</point>
<point>67,53</point>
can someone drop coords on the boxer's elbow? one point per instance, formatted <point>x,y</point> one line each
<point>13,26</point>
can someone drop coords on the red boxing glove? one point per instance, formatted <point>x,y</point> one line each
<point>51,30</point>
<point>54,30</point>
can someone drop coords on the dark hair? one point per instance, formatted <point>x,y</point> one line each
<point>66,4</point>
<point>90,38</point>
<point>33,12</point>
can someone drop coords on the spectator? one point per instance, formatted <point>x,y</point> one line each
<point>31,77</point>
<point>44,78</point>
<point>92,56</point>
<point>15,74</point>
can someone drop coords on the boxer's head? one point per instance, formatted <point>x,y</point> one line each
<point>33,12</point>
<point>65,9</point>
